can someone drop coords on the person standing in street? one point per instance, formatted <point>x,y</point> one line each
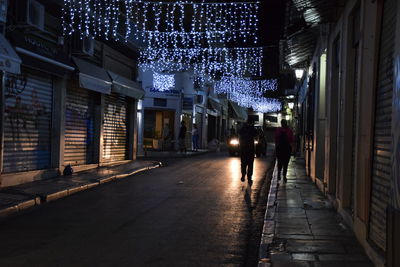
<point>283,148</point>
<point>165,135</point>
<point>246,139</point>
<point>181,137</point>
<point>195,137</point>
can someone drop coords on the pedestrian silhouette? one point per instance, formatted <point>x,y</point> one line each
<point>195,137</point>
<point>181,137</point>
<point>283,148</point>
<point>246,139</point>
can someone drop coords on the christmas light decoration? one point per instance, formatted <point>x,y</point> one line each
<point>255,88</point>
<point>265,105</point>
<point>163,82</point>
<point>258,104</point>
<point>218,21</point>
<point>236,61</point>
<point>178,35</point>
<point>249,93</point>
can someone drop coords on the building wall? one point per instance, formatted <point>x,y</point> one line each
<point>61,106</point>
<point>352,69</point>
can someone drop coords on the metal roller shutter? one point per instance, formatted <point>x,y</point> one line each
<point>27,122</point>
<point>115,128</point>
<point>79,118</point>
<point>382,150</point>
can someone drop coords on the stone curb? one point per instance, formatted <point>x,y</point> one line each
<point>177,155</point>
<point>42,198</point>
<point>268,232</point>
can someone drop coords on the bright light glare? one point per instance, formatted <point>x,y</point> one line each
<point>234,142</point>
<point>299,73</point>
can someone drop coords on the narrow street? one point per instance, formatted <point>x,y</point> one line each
<point>191,212</point>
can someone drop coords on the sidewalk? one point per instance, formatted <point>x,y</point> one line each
<point>301,228</point>
<point>16,198</point>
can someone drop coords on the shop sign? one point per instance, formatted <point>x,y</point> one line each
<point>172,92</point>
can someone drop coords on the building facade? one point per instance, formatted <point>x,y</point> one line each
<point>71,100</point>
<point>348,124</point>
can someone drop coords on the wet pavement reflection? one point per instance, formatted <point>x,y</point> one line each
<point>192,212</point>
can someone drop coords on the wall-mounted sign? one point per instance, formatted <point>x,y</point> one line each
<point>172,92</point>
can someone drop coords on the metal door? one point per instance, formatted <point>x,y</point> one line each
<point>382,150</point>
<point>79,118</point>
<point>115,128</point>
<point>27,121</point>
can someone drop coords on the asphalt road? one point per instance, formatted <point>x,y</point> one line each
<point>192,212</point>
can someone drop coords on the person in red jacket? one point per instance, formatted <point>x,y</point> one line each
<point>283,147</point>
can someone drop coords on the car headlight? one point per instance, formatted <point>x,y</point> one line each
<point>255,142</point>
<point>234,142</point>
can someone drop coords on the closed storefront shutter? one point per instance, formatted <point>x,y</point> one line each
<point>115,128</point>
<point>79,118</point>
<point>27,121</point>
<point>382,150</point>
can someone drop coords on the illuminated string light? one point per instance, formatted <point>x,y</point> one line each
<point>258,104</point>
<point>210,21</point>
<point>249,93</point>
<point>214,62</point>
<point>255,88</point>
<point>174,31</point>
<point>163,82</point>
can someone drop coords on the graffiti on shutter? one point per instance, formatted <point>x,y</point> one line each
<point>27,121</point>
<point>79,118</point>
<point>382,150</point>
<point>115,130</point>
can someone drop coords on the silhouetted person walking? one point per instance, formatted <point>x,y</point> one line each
<point>195,137</point>
<point>181,137</point>
<point>246,139</point>
<point>283,148</point>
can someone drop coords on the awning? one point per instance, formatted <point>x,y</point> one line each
<point>9,60</point>
<point>93,77</point>
<point>41,54</point>
<point>239,112</point>
<point>125,86</point>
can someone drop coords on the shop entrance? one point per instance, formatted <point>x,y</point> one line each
<point>158,129</point>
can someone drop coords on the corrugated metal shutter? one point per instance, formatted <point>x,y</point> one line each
<point>79,118</point>
<point>115,130</point>
<point>381,170</point>
<point>27,122</point>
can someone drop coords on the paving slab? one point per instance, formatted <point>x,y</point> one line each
<point>307,230</point>
<point>315,246</point>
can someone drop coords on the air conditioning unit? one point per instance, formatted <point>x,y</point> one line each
<point>30,13</point>
<point>84,46</point>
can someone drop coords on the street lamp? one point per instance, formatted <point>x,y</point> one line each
<point>299,73</point>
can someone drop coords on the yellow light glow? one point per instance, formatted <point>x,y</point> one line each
<point>234,142</point>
